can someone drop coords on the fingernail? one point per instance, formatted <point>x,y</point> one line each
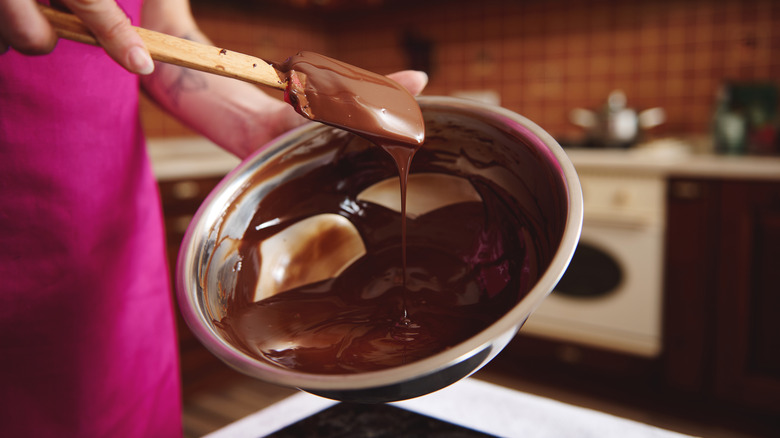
<point>140,61</point>
<point>424,76</point>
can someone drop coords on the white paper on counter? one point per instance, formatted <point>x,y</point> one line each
<point>470,403</point>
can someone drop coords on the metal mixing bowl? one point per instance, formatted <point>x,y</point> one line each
<point>536,173</point>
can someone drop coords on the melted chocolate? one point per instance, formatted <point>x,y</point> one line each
<point>467,265</point>
<point>342,95</point>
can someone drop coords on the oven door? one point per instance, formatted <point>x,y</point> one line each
<point>611,294</point>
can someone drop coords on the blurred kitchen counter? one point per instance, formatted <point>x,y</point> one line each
<point>198,157</point>
<point>188,158</point>
<point>675,159</point>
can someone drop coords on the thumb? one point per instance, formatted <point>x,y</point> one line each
<point>114,32</point>
<point>414,81</point>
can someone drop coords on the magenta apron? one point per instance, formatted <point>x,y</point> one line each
<point>87,338</point>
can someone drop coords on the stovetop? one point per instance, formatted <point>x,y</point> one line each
<point>346,420</point>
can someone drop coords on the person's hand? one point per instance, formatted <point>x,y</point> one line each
<point>24,28</point>
<point>413,80</point>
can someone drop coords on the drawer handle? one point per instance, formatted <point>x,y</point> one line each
<point>686,190</point>
<point>185,190</point>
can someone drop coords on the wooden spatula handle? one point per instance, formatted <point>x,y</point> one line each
<point>178,51</point>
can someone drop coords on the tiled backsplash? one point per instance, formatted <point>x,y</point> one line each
<point>544,58</point>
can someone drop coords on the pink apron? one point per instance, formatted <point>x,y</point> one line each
<point>87,338</point>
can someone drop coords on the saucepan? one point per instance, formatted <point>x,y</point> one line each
<point>616,125</point>
<point>465,141</point>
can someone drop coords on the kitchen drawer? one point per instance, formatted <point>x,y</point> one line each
<point>623,198</point>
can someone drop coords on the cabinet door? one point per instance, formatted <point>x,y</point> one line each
<point>693,208</point>
<point>747,351</point>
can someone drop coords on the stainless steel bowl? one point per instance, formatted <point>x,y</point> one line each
<point>537,174</point>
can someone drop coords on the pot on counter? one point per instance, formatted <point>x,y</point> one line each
<point>616,125</point>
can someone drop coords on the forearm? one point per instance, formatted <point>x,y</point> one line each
<point>235,115</point>
<point>238,116</point>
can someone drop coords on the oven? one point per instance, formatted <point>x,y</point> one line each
<point>611,295</point>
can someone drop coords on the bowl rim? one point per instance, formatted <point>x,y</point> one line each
<point>208,212</point>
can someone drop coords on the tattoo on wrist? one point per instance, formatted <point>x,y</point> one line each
<point>185,80</point>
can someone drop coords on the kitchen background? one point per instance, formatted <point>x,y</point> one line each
<point>541,59</point>
<point>696,238</point>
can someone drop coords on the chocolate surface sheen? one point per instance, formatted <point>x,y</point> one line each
<point>342,95</point>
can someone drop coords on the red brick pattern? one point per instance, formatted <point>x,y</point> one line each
<point>544,57</point>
